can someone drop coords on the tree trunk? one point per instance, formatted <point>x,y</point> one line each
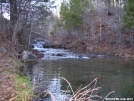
<point>13,13</point>
<point>1,17</point>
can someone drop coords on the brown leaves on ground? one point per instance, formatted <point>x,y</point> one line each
<point>7,90</point>
<point>7,86</point>
<point>88,46</point>
<point>115,50</point>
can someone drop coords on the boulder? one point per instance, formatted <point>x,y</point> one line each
<point>47,45</point>
<point>39,55</point>
<point>34,51</point>
<point>58,46</point>
<point>60,54</point>
<point>3,50</point>
<point>26,55</point>
<point>32,46</point>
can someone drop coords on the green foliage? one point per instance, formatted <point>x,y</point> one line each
<point>128,17</point>
<point>71,13</point>
<point>52,32</point>
<point>117,0</point>
<point>59,23</point>
<point>24,90</point>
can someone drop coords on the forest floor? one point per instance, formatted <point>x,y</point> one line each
<point>8,65</point>
<point>7,87</point>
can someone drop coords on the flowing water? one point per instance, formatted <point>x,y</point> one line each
<point>113,74</point>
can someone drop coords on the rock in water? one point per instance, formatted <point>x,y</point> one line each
<point>26,55</point>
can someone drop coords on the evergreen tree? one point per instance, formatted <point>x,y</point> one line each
<point>128,17</point>
<point>71,13</point>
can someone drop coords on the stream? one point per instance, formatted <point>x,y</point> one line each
<point>79,69</point>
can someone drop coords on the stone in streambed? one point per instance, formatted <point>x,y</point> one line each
<point>58,46</point>
<point>39,55</point>
<point>26,55</point>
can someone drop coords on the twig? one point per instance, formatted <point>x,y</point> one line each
<point>68,84</point>
<point>108,95</point>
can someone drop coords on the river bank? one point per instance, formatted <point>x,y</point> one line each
<point>18,85</point>
<point>105,48</point>
<point>14,87</point>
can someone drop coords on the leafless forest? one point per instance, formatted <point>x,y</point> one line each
<point>101,30</point>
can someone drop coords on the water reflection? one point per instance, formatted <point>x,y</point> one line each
<point>114,75</point>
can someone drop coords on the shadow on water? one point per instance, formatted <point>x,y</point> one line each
<point>114,75</point>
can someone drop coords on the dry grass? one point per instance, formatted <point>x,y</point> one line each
<point>81,94</point>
